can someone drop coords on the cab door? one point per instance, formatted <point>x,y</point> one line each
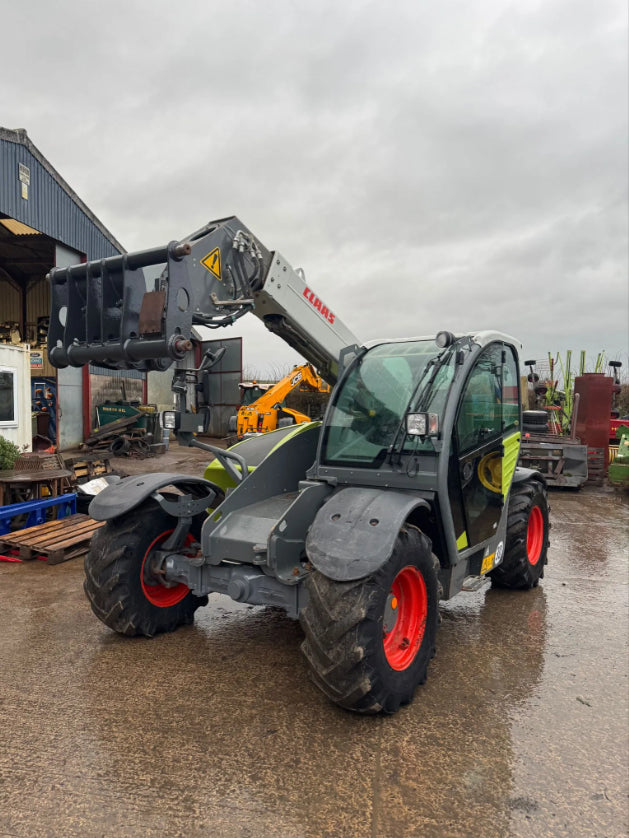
<point>486,445</point>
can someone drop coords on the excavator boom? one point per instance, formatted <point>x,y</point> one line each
<point>262,415</point>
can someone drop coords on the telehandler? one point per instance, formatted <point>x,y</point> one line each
<point>405,494</point>
<point>267,412</point>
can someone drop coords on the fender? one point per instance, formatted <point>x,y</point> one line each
<point>521,473</point>
<point>354,532</point>
<point>126,494</point>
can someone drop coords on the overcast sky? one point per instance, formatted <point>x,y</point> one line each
<point>430,166</point>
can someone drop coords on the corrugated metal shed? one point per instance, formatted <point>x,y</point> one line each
<point>52,206</point>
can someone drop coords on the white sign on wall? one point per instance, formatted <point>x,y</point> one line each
<point>24,174</point>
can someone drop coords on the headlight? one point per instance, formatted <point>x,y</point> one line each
<point>444,339</point>
<point>417,424</point>
<point>169,420</point>
<point>422,424</point>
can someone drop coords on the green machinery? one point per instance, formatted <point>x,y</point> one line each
<point>407,493</point>
<point>618,474</point>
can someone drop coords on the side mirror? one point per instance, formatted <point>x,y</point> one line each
<point>210,359</point>
<point>533,377</point>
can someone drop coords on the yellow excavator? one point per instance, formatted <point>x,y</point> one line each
<point>267,413</point>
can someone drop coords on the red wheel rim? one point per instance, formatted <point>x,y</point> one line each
<point>535,535</point>
<point>157,594</point>
<point>407,605</point>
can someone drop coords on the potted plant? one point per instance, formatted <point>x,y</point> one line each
<point>9,452</point>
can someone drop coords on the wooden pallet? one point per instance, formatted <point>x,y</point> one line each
<point>87,468</point>
<point>55,541</point>
<point>104,434</point>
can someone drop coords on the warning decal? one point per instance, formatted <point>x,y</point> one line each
<point>212,263</point>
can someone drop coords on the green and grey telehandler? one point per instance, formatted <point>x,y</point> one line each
<point>405,494</point>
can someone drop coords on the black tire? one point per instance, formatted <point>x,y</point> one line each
<point>120,446</point>
<point>534,417</point>
<point>345,624</point>
<point>285,422</point>
<point>232,424</point>
<point>113,576</point>
<point>140,447</point>
<point>534,429</point>
<point>527,539</point>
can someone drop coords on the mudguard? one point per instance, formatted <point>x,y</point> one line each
<point>521,473</point>
<point>126,494</point>
<point>354,532</point>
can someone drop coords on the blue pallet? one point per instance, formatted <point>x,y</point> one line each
<point>36,511</point>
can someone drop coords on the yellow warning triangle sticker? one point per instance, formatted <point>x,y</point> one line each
<point>212,263</point>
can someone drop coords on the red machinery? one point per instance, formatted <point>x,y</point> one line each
<point>595,390</point>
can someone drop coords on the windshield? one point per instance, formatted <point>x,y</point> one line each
<point>250,394</point>
<point>369,410</point>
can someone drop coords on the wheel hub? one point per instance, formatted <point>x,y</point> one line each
<point>155,587</point>
<point>535,535</point>
<point>404,618</point>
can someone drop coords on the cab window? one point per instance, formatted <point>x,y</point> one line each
<point>480,412</point>
<point>510,391</point>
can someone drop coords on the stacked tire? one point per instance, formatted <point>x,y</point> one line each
<point>534,422</point>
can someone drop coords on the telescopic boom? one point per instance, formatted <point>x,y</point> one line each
<point>105,312</point>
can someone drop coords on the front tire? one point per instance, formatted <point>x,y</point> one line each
<point>527,537</point>
<point>369,642</point>
<point>118,583</point>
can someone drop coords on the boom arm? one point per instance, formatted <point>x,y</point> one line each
<point>262,414</point>
<point>303,375</point>
<point>103,311</point>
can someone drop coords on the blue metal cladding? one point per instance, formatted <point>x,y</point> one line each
<point>50,209</point>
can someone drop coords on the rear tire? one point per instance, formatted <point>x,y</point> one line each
<point>527,537</point>
<point>369,642</point>
<point>123,597</point>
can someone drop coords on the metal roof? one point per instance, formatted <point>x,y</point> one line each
<point>52,207</point>
<point>17,228</point>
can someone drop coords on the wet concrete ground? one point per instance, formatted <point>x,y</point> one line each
<point>521,729</point>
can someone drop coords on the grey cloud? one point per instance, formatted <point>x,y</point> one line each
<point>450,165</point>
